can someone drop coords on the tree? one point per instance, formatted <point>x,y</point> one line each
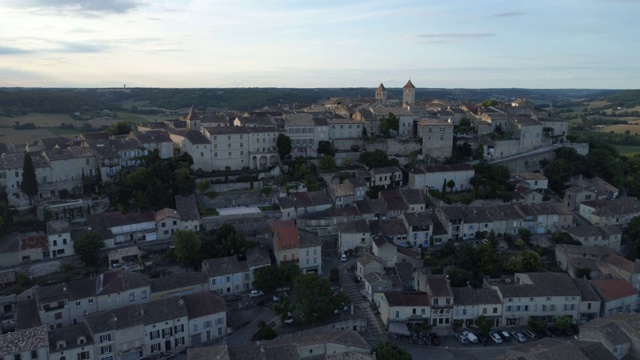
<point>265,332</point>
<point>451,184</point>
<point>334,274</point>
<point>484,324</point>
<point>459,277</point>
<point>88,246</point>
<point>120,128</point>
<point>538,325</point>
<point>562,322</point>
<point>325,148</point>
<point>390,351</point>
<point>527,261</point>
<point>185,183</point>
<point>188,246</point>
<point>289,273</point>
<point>374,159</point>
<point>29,184</point>
<point>633,234</point>
<point>327,163</point>
<point>267,279</point>
<point>283,306</point>
<point>283,143</point>
<point>314,298</point>
<point>388,123</point>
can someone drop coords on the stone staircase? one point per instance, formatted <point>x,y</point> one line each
<point>374,326</point>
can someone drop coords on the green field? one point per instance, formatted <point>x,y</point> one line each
<point>627,149</point>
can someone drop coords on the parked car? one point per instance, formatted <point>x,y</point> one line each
<point>495,337</point>
<point>336,287</point>
<point>484,340</point>
<point>289,319</point>
<point>255,293</point>
<point>471,336</point>
<point>519,336</point>
<point>232,297</point>
<point>505,335</point>
<point>343,257</point>
<point>435,339</point>
<point>530,334</point>
<point>463,339</point>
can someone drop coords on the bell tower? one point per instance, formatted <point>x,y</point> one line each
<point>409,93</point>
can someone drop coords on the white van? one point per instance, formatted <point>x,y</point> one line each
<point>471,336</point>
<point>343,257</point>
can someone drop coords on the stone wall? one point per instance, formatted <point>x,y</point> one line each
<point>222,187</point>
<point>395,146</point>
<point>345,144</point>
<point>246,223</point>
<point>531,162</point>
<point>236,198</point>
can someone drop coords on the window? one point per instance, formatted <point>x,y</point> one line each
<point>105,338</point>
<point>105,349</point>
<point>397,314</point>
<point>495,310</point>
<point>78,303</point>
<point>207,324</point>
<point>84,355</point>
<point>155,348</point>
<point>178,328</point>
<point>132,297</point>
<point>484,311</point>
<point>90,301</point>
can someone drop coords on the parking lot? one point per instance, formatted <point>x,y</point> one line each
<point>451,348</point>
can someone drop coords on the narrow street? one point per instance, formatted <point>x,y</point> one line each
<point>374,328</point>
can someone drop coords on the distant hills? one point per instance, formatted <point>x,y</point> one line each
<point>20,101</point>
<point>626,98</point>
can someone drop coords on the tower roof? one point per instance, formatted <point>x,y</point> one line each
<point>193,114</point>
<point>409,85</point>
<point>381,88</point>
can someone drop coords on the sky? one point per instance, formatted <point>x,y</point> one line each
<point>328,43</point>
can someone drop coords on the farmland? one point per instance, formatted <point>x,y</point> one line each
<point>51,125</point>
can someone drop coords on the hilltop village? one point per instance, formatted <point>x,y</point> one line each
<point>326,231</point>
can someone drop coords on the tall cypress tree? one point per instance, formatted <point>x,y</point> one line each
<point>29,184</point>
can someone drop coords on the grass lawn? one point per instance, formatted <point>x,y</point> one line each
<point>134,118</point>
<point>627,149</point>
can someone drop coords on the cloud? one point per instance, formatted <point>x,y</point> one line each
<point>80,48</point>
<point>58,47</point>
<point>442,37</point>
<point>508,14</point>
<point>82,6</point>
<point>6,50</point>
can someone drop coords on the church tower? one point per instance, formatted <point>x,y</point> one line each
<point>409,94</point>
<point>381,94</point>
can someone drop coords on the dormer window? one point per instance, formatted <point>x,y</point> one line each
<point>81,340</point>
<point>60,345</point>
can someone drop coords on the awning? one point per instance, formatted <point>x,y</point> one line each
<point>399,328</point>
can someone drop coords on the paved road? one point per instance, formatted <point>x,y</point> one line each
<point>449,349</point>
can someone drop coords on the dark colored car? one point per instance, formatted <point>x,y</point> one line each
<point>484,340</point>
<point>435,339</point>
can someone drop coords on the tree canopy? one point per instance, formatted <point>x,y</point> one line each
<point>88,246</point>
<point>283,143</point>
<point>376,159</point>
<point>390,351</point>
<point>188,248</point>
<point>387,124</point>
<point>29,184</point>
<point>313,297</point>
